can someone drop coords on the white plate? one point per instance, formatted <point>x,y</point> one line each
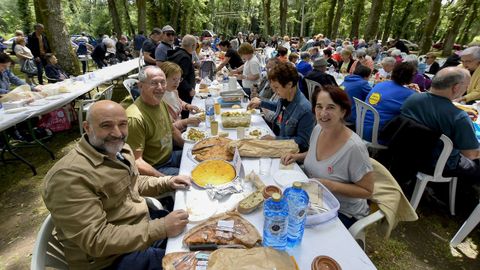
<point>199,206</point>
<point>39,102</point>
<point>185,135</point>
<point>263,132</point>
<point>285,178</point>
<point>16,110</point>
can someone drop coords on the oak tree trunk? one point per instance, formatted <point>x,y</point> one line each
<point>330,15</point>
<point>338,16</point>
<point>117,23</point>
<point>38,13</point>
<point>404,20</point>
<point>58,37</point>
<point>25,14</point>
<point>454,25</point>
<point>388,21</point>
<point>267,17</point>
<point>131,29</point>
<point>432,20</point>
<point>141,15</point>
<point>464,38</point>
<point>175,12</point>
<point>372,23</point>
<point>357,18</point>
<point>283,16</point>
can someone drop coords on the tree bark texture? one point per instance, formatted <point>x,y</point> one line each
<point>131,29</point>
<point>454,25</point>
<point>174,14</point>
<point>25,14</point>
<point>57,35</point>
<point>464,37</point>
<point>338,16</point>
<point>267,4</point>
<point>141,15</point>
<point>372,23</point>
<point>357,18</point>
<point>330,15</point>
<point>432,20</point>
<point>117,23</point>
<point>38,13</point>
<point>404,21</point>
<point>388,21</point>
<point>283,16</point>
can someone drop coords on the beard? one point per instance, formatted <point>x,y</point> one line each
<point>110,144</point>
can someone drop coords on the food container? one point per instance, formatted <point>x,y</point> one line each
<point>14,104</point>
<point>269,190</point>
<point>330,206</point>
<point>236,119</point>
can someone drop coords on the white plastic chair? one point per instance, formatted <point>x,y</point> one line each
<point>129,83</point>
<point>48,251</point>
<point>423,179</point>
<point>357,230</point>
<point>84,105</point>
<point>361,109</point>
<point>311,87</point>
<point>467,227</point>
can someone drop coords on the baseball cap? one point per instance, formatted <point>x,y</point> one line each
<point>320,62</point>
<point>167,28</point>
<point>156,30</point>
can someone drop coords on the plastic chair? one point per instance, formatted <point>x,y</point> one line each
<point>128,83</point>
<point>423,179</point>
<point>84,105</point>
<point>467,227</point>
<point>361,109</point>
<point>357,230</point>
<point>48,251</point>
<point>311,87</point>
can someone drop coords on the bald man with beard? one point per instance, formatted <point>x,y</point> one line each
<point>94,195</point>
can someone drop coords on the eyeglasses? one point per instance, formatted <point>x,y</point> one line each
<point>163,83</point>
<point>170,34</point>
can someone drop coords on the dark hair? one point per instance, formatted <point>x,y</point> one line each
<point>338,96</point>
<point>403,73</point>
<point>5,58</point>
<point>282,51</point>
<point>284,73</point>
<point>224,43</point>
<point>362,71</point>
<point>327,52</point>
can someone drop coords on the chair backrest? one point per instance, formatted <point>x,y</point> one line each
<point>207,69</point>
<point>105,94</point>
<point>128,84</point>
<point>361,109</point>
<point>48,251</point>
<point>311,87</point>
<point>444,155</point>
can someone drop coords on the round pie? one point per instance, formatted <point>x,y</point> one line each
<point>212,148</point>
<point>214,172</point>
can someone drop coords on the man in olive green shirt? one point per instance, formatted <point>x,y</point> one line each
<point>151,131</point>
<point>94,196</point>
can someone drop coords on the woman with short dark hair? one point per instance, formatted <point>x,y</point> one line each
<point>293,113</point>
<point>337,157</point>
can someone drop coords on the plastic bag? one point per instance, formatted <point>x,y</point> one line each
<point>29,67</point>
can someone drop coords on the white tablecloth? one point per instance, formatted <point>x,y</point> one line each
<point>88,82</point>
<point>331,238</point>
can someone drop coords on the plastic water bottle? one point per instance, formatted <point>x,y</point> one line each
<point>297,199</point>
<point>331,70</point>
<point>209,110</point>
<point>275,211</point>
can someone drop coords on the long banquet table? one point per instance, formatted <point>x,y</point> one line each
<point>89,81</point>
<point>330,238</point>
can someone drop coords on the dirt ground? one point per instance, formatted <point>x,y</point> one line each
<point>423,244</point>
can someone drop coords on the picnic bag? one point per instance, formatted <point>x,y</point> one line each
<point>29,67</point>
<point>59,119</point>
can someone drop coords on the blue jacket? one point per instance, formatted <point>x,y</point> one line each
<point>298,120</point>
<point>7,78</point>
<point>304,67</point>
<point>355,86</point>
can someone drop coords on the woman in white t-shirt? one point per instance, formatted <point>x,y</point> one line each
<point>23,53</point>
<point>337,157</point>
<point>251,70</point>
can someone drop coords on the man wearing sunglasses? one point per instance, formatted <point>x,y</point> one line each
<point>165,45</point>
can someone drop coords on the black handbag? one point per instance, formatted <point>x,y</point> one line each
<point>29,67</point>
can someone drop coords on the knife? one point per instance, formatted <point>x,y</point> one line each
<point>213,246</point>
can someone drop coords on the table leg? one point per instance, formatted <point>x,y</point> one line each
<point>11,150</point>
<point>39,142</point>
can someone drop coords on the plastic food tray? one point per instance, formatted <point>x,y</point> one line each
<point>329,202</point>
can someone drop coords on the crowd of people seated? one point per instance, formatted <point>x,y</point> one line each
<point>391,80</point>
